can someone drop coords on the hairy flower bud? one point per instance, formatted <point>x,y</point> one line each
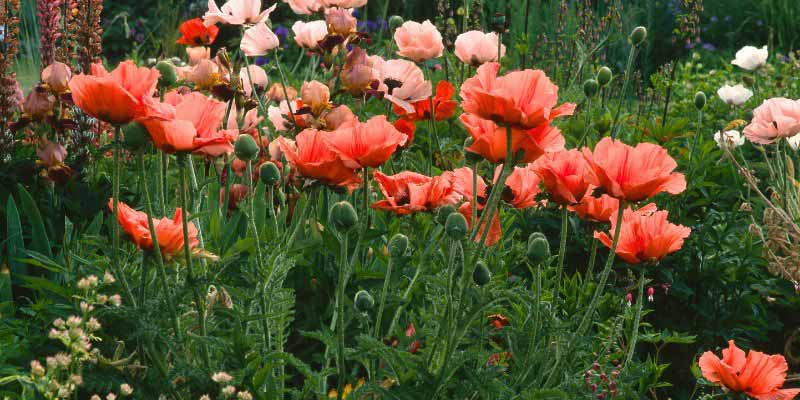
<point>343,216</point>
<point>638,35</point>
<point>364,301</point>
<point>700,100</point>
<point>246,148</point>
<point>590,87</point>
<point>398,245</point>
<point>269,174</point>
<point>481,275</point>
<point>456,226</point>
<point>168,74</point>
<point>604,76</point>
<point>135,136</point>
<point>538,248</point>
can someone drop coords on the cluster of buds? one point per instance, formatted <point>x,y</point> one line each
<point>48,16</point>
<point>125,390</point>
<point>228,390</point>
<point>76,333</point>
<point>54,380</point>
<point>89,32</point>
<point>602,385</point>
<point>10,94</point>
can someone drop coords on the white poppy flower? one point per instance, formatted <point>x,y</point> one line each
<point>734,95</point>
<point>750,58</point>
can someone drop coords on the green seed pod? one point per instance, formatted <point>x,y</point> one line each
<point>604,76</point>
<point>343,216</point>
<point>246,148</point>
<point>538,248</point>
<point>398,245</point>
<point>638,35</point>
<point>135,137</point>
<point>395,21</point>
<point>456,226</point>
<point>590,87</point>
<point>481,275</point>
<point>443,212</point>
<point>700,100</point>
<point>269,174</point>
<point>168,74</point>
<point>363,301</point>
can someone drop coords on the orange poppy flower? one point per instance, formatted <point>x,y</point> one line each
<point>646,235</point>
<point>498,321</point>
<point>408,127</point>
<point>565,175</point>
<point>489,140</point>
<point>495,232</point>
<point>522,186</point>
<point>633,173</point>
<point>409,192</point>
<point>195,33</point>
<point>598,209</point>
<point>463,177</point>
<point>118,97</point>
<point>523,99</point>
<point>310,155</point>
<point>757,375</point>
<point>168,231</point>
<point>366,144</point>
<point>443,104</point>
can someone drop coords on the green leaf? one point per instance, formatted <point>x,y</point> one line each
<point>14,241</point>
<point>39,240</point>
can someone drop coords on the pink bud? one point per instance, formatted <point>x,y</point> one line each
<point>629,298</point>
<point>650,293</point>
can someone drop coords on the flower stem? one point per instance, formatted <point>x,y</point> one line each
<point>115,201</point>
<point>587,122</point>
<point>614,126</point>
<point>637,319</point>
<point>340,291</point>
<point>283,85</point>
<point>384,293</point>
<point>562,248</point>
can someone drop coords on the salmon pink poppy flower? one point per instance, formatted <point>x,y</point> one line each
<point>523,99</point>
<point>522,186</point>
<point>339,117</point>
<point>774,119</point>
<point>565,175</point>
<point>476,48</point>
<point>367,144</point>
<point>490,142</point>
<point>237,12</point>
<point>308,34</point>
<point>195,33</point>
<point>646,235</point>
<point>402,83</point>
<point>633,173</point>
<point>197,54</point>
<point>310,155</point>
<point>757,375</point>
<point>168,231</point>
<point>253,76</point>
<point>443,104</point>
<point>403,192</point>
<point>598,209</point>
<point>495,232</point>
<point>279,115</point>
<point>418,41</point>
<point>118,97</point>
<point>304,7</point>
<point>464,181</point>
<point>258,40</point>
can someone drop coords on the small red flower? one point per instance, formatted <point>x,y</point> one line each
<point>414,347</point>
<point>195,33</point>
<point>498,321</point>
<point>410,330</point>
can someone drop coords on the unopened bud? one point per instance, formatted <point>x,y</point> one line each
<point>364,301</point>
<point>638,35</point>
<point>604,76</point>
<point>245,148</point>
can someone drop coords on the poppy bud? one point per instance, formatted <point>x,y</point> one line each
<point>364,301</point>
<point>395,21</point>
<point>538,248</point>
<point>343,216</point>
<point>135,137</point>
<point>456,226</point>
<point>748,80</point>
<point>499,23</point>
<point>398,245</point>
<point>481,275</point>
<point>590,87</point>
<point>604,76</point>
<point>269,174</point>
<point>444,212</point>
<point>168,74</point>
<point>246,148</point>
<point>638,35</point>
<point>700,100</point>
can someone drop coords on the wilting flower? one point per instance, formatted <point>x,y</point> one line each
<point>598,209</point>
<point>646,235</point>
<point>409,192</point>
<point>524,99</point>
<point>729,139</point>
<point>253,76</point>
<point>476,48</point>
<point>522,187</point>
<point>750,58</point>
<point>359,71</point>
<point>633,173</point>
<point>367,144</point>
<point>259,40</point>
<point>341,21</point>
<point>197,54</point>
<point>236,193</point>
<point>57,76</point>
<point>304,7</point>
<point>168,231</point>
<point>490,142</point>
<point>51,154</point>
<point>565,175</point>
<point>418,42</point>
<point>757,375</point>
<point>195,33</point>
<point>308,34</point>
<point>495,232</point>
<point>117,97</point>
<point>312,158</point>
<point>237,12</point>
<point>734,95</point>
<point>774,119</point>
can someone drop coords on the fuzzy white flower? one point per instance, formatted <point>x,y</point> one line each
<point>734,95</point>
<point>794,141</point>
<point>750,58</point>
<point>729,138</point>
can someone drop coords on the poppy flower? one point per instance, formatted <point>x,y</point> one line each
<point>490,142</point>
<point>646,235</point>
<point>523,99</point>
<point>236,194</point>
<point>310,155</point>
<point>757,375</point>
<point>633,173</point>
<point>118,97</point>
<point>367,144</point>
<point>195,33</point>
<point>565,175</point>
<point>197,54</point>
<point>494,234</point>
<point>443,105</point>
<point>409,192</point>
<point>359,71</point>
<point>476,48</point>
<point>463,177</point>
<point>522,186</point>
<point>774,119</point>
<point>402,83</point>
<point>343,3</point>
<point>408,127</point>
<point>253,76</point>
<point>308,34</point>
<point>598,209</point>
<point>258,40</point>
<point>168,231</point>
<point>498,321</point>
<point>418,41</point>
<point>304,7</point>
<point>237,12</point>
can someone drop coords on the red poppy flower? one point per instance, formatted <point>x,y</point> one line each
<point>408,127</point>
<point>522,186</point>
<point>490,142</point>
<point>168,231</point>
<point>463,177</point>
<point>409,192</point>
<point>498,321</point>
<point>236,194</point>
<point>443,104</point>
<point>757,375</point>
<point>495,232</point>
<point>565,175</point>
<point>310,155</point>
<point>646,235</point>
<point>195,33</point>
<point>367,144</point>
<point>633,173</point>
<point>598,209</point>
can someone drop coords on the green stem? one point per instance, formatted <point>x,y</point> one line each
<point>475,196</point>
<point>164,182</point>
<point>562,248</point>
<point>614,127</point>
<point>340,292</point>
<point>283,85</point>
<point>636,319</point>
<point>384,293</point>
<point>115,199</point>
<point>590,265</point>
<point>587,121</point>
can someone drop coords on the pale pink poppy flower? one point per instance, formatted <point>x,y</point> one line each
<point>343,3</point>
<point>304,7</point>
<point>197,54</point>
<point>418,42</point>
<point>308,34</point>
<point>278,116</point>
<point>315,95</point>
<point>259,40</point>
<point>404,83</point>
<point>51,154</point>
<point>341,21</point>
<point>237,12</point>
<point>253,76</point>
<point>476,48</point>
<point>774,119</point>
